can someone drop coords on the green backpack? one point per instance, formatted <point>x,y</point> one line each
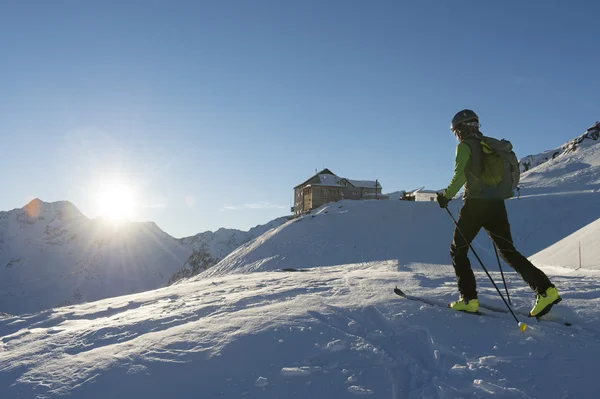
<point>501,173</point>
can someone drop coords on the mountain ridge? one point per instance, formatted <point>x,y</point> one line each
<point>531,161</point>
<point>52,255</point>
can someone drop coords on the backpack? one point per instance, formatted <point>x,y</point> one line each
<point>501,173</point>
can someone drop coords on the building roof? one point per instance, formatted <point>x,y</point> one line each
<point>364,183</point>
<point>329,179</point>
<point>323,172</point>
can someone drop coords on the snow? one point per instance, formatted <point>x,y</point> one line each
<point>589,138</point>
<point>565,253</point>
<point>343,332</point>
<point>369,231</point>
<point>222,242</point>
<point>579,171</point>
<point>248,329</point>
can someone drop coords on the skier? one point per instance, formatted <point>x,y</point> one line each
<point>483,209</point>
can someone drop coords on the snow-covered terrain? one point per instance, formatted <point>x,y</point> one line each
<point>52,255</point>
<point>328,333</point>
<point>351,231</point>
<point>222,242</point>
<point>579,249</point>
<point>589,138</point>
<point>249,329</point>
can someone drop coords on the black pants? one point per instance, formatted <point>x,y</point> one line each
<point>491,215</point>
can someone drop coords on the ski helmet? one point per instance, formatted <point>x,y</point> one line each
<point>462,117</point>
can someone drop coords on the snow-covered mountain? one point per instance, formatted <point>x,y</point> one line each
<point>586,139</point>
<point>574,167</point>
<point>52,255</point>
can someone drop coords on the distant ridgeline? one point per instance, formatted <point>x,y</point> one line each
<point>531,161</point>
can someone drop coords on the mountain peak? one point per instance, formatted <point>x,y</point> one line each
<point>63,210</point>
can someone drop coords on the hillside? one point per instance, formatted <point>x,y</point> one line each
<point>367,231</point>
<point>574,166</point>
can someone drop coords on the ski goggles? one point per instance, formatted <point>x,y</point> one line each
<point>471,124</point>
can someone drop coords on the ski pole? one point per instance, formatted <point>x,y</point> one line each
<point>502,274</point>
<point>522,326</point>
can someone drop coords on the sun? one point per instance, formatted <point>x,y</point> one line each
<point>115,202</point>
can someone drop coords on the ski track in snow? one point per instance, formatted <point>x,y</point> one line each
<point>335,332</point>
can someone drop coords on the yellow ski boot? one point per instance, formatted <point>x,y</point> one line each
<point>544,302</point>
<point>465,305</point>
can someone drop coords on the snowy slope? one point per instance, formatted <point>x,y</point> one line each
<point>574,166</point>
<point>531,161</point>
<point>333,332</point>
<point>565,253</point>
<point>367,231</point>
<point>222,242</point>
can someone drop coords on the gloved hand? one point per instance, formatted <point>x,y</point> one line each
<point>442,201</point>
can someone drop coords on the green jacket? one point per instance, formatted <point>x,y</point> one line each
<point>468,168</point>
<point>463,154</point>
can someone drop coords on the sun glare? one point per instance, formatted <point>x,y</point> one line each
<point>115,202</point>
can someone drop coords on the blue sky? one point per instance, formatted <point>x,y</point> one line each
<point>212,111</point>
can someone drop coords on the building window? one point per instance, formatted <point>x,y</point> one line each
<point>431,199</point>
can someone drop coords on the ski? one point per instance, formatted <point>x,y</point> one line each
<point>489,308</point>
<point>431,302</point>
<point>501,310</point>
